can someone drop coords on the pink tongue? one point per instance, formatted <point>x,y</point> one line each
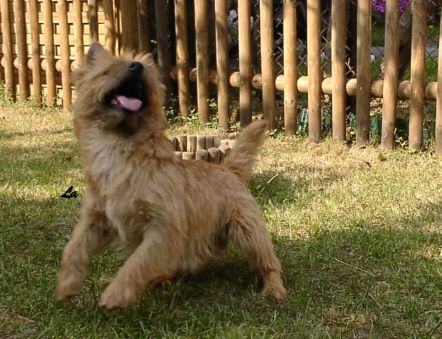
<point>131,104</point>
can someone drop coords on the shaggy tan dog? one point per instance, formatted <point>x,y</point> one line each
<point>172,215</point>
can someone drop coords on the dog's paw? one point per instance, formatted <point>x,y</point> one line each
<point>276,291</point>
<point>273,287</point>
<point>68,285</point>
<point>115,296</point>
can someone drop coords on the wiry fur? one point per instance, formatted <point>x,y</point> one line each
<point>172,215</point>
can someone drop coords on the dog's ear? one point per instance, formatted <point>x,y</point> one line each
<point>96,51</point>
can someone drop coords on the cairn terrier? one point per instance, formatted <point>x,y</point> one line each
<point>171,215</point>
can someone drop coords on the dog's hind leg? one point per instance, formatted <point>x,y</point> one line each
<point>156,257</point>
<point>249,234</point>
<point>90,235</point>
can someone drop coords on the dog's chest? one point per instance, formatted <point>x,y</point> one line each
<point>127,215</point>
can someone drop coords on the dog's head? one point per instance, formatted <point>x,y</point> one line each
<point>121,95</point>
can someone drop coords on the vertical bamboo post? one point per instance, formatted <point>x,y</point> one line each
<point>109,26</point>
<point>417,99</point>
<point>7,49</point>
<point>93,19</point>
<point>202,60</point>
<point>50,54</point>
<point>245,62</point>
<point>65,60</point>
<point>439,96</point>
<point>182,56</point>
<point>222,66</point>
<point>391,73</point>
<point>363,69</point>
<point>36,62</point>
<point>129,25</point>
<point>78,32</point>
<point>163,50</point>
<point>290,67</point>
<point>267,61</point>
<point>143,25</point>
<point>338,53</point>
<point>20,35</point>
<point>314,68</point>
<point>117,25</point>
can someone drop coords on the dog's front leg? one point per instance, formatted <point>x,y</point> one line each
<point>90,235</point>
<point>155,257</point>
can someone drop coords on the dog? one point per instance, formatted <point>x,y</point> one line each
<point>172,216</point>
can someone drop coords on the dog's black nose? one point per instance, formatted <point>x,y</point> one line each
<point>136,67</point>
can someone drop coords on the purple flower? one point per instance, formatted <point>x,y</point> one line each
<point>379,5</point>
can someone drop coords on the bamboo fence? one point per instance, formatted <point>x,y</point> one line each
<point>42,41</point>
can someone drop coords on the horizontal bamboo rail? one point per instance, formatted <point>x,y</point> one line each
<point>376,88</point>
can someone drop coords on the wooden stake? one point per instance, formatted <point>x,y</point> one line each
<point>20,35</point>
<point>129,23</point>
<point>50,53</point>
<point>338,54</point>
<point>202,60</point>
<point>214,155</point>
<point>202,155</point>
<point>191,143</point>
<point>222,65</point>
<point>245,63</point>
<point>36,62</point>
<point>418,47</point>
<point>216,141</point>
<point>78,31</point>
<point>363,70</point>
<point>7,49</point>
<point>290,67</point>
<point>65,59</point>
<point>182,142</point>
<point>188,155</point>
<point>200,142</point>
<point>267,61</point>
<point>314,68</point>
<point>391,73</point>
<point>109,26</point>
<point>182,57</point>
<point>210,141</point>
<point>439,96</point>
<point>143,26</point>
<point>162,34</point>
<point>93,19</point>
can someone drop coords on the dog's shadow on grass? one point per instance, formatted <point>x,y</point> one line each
<point>362,271</point>
<point>336,276</point>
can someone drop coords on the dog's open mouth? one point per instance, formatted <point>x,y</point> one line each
<point>129,96</point>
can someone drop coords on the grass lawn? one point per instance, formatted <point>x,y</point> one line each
<point>359,236</point>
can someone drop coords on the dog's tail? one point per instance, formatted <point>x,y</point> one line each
<point>243,154</point>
